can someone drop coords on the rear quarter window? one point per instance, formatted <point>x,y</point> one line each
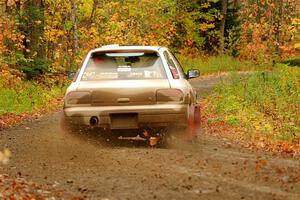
<point>171,65</point>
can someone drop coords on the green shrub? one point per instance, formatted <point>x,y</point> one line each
<point>34,67</point>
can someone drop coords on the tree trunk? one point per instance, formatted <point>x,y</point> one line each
<point>75,31</point>
<point>278,27</point>
<point>222,26</point>
<point>95,4</point>
<point>34,29</point>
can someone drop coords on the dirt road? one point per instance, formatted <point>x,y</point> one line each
<point>88,165</point>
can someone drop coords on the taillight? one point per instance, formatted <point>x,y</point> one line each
<point>169,95</point>
<point>78,98</point>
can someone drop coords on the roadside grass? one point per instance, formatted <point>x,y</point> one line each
<point>216,64</point>
<point>266,104</point>
<point>26,96</point>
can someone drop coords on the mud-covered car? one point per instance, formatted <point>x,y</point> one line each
<point>132,90</point>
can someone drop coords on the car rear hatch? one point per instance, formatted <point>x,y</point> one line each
<point>123,92</point>
<point>123,77</point>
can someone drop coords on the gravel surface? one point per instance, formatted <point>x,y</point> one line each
<point>90,166</point>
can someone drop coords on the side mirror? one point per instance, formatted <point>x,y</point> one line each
<point>193,73</point>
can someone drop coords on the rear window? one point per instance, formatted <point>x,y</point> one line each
<point>123,66</point>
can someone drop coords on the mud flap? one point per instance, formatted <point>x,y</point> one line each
<point>193,122</point>
<point>197,116</point>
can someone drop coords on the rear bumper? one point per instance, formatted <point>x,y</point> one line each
<point>159,115</point>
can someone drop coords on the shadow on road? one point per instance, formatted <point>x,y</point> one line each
<point>102,138</point>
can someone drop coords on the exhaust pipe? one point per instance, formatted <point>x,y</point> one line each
<point>94,121</point>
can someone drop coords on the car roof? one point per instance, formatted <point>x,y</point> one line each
<point>117,47</point>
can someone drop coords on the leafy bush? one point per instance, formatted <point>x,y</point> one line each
<point>267,103</point>
<point>34,67</point>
